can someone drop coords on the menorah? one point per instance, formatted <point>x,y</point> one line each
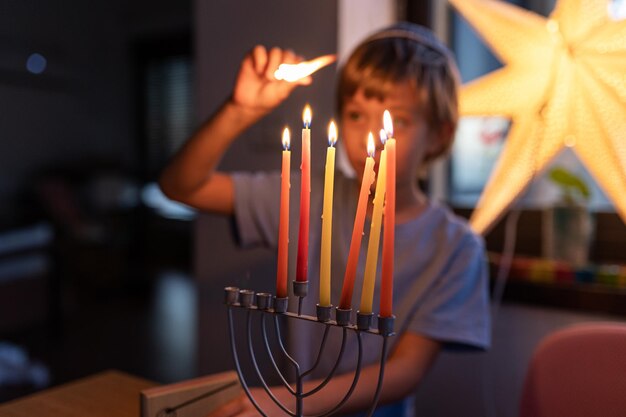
<point>269,307</point>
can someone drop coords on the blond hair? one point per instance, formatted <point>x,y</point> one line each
<point>400,53</point>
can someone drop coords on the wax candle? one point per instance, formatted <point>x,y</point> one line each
<point>357,230</point>
<point>305,198</point>
<point>371,262</point>
<point>283,225</point>
<point>327,217</point>
<point>386,289</point>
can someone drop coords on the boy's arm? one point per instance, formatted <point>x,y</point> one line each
<point>406,366</point>
<point>191,176</point>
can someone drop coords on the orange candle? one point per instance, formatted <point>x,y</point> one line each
<point>386,289</point>
<point>283,225</point>
<point>357,230</point>
<point>302,262</point>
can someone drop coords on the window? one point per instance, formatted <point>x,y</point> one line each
<point>164,79</point>
<point>165,114</point>
<point>168,113</point>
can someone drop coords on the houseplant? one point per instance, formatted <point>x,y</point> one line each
<point>568,225</point>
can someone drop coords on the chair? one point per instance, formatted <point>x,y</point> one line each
<point>578,371</point>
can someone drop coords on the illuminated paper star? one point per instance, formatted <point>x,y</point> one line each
<point>563,84</point>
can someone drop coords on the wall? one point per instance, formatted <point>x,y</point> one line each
<point>64,115</point>
<point>80,110</point>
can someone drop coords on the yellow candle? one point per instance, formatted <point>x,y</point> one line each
<point>283,225</point>
<point>327,217</point>
<point>367,291</point>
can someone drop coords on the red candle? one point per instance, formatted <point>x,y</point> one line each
<point>283,225</point>
<point>357,231</point>
<point>305,198</point>
<point>386,289</point>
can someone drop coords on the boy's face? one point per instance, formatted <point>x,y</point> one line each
<point>414,139</point>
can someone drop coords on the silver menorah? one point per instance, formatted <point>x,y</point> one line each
<point>269,307</point>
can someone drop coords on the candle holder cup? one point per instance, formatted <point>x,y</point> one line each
<point>323,313</point>
<point>280,304</point>
<point>300,290</point>
<point>342,315</point>
<point>364,320</point>
<point>263,312</point>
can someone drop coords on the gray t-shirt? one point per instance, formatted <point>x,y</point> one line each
<point>440,270</point>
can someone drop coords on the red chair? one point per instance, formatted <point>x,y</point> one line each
<point>578,371</point>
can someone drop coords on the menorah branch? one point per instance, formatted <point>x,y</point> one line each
<point>272,359</point>
<point>258,371</point>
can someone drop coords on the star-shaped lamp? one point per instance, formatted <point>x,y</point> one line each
<point>563,84</point>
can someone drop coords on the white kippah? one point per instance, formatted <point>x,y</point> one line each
<point>433,44</point>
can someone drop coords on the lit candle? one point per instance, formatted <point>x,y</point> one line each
<point>294,72</point>
<point>305,198</point>
<point>371,262</point>
<point>283,226</point>
<point>327,217</point>
<point>357,230</point>
<point>386,289</point>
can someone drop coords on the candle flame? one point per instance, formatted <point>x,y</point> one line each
<point>294,72</point>
<point>286,139</point>
<point>307,116</point>
<point>371,147</point>
<point>383,136</point>
<point>387,123</point>
<point>332,133</point>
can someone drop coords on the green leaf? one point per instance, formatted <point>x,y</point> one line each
<point>569,181</point>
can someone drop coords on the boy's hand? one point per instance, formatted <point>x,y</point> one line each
<point>256,87</point>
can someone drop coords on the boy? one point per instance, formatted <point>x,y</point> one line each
<point>440,276</point>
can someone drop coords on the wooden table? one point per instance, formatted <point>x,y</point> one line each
<point>107,394</point>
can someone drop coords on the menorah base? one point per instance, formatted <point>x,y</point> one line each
<point>236,298</point>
